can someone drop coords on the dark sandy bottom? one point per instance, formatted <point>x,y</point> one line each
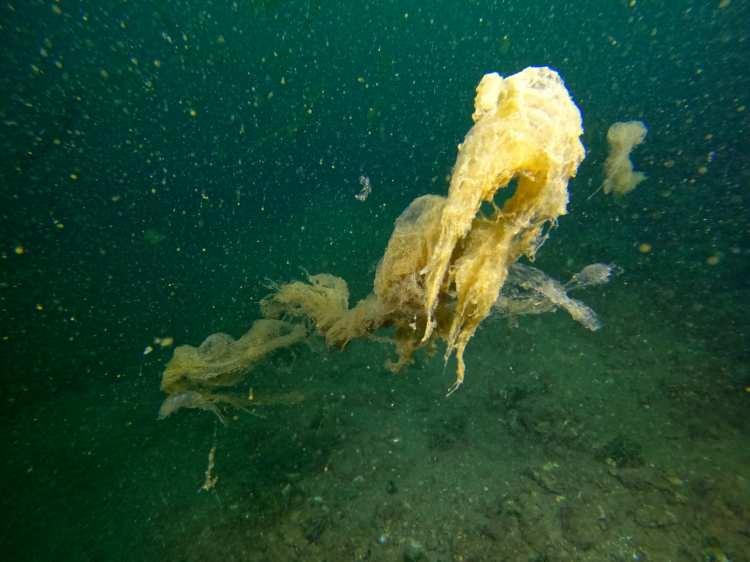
<point>627,444</point>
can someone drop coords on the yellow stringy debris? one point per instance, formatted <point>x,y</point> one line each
<point>446,260</point>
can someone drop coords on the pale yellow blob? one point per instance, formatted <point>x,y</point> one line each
<point>620,178</point>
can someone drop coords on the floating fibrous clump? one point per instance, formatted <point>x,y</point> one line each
<point>446,262</point>
<point>196,377</point>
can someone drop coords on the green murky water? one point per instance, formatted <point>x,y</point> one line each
<point>162,161</point>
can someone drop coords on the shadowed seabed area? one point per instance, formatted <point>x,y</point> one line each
<point>380,281</point>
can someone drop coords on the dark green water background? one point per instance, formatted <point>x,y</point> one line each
<point>162,160</point>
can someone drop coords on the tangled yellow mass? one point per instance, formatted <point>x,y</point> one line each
<point>447,258</point>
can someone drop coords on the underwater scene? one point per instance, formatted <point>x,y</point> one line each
<point>321,281</point>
